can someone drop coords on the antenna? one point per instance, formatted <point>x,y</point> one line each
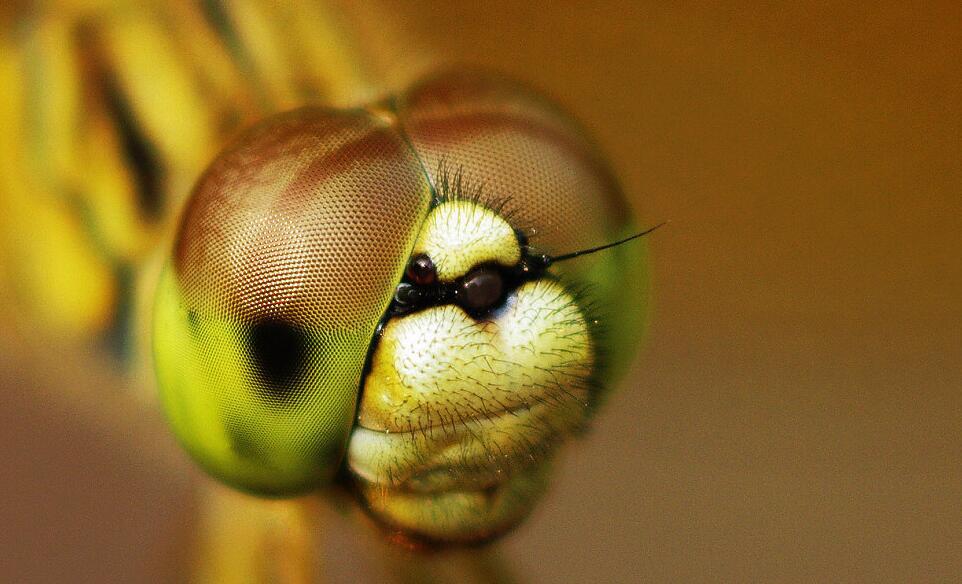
<point>591,250</point>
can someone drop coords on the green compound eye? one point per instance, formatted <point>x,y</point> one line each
<point>337,302</point>
<point>287,257</point>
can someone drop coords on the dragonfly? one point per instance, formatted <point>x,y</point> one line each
<point>407,297</point>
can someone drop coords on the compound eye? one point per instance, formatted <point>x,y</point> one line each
<point>421,270</point>
<point>284,261</point>
<point>481,289</point>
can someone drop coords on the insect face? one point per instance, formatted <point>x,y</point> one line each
<point>372,296</point>
<point>469,393</point>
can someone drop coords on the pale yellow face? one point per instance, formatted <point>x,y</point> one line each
<point>466,403</point>
<point>459,235</point>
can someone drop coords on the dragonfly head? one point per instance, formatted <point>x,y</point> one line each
<point>369,292</point>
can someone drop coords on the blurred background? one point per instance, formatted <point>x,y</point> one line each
<point>796,414</point>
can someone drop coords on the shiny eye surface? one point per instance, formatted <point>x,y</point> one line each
<point>421,270</point>
<point>481,289</point>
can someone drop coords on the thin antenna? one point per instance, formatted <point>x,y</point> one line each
<point>591,250</point>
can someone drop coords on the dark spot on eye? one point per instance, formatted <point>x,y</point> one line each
<point>421,270</point>
<point>193,322</point>
<point>243,442</point>
<point>279,352</point>
<point>481,289</point>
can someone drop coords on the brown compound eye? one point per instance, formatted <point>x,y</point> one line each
<point>421,270</point>
<point>481,289</point>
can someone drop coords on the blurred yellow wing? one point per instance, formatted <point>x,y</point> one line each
<point>110,111</point>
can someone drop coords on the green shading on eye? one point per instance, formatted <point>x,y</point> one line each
<point>254,402</point>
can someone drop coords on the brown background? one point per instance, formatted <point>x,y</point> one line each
<point>797,413</point>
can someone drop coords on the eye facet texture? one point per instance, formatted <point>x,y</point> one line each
<point>287,257</point>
